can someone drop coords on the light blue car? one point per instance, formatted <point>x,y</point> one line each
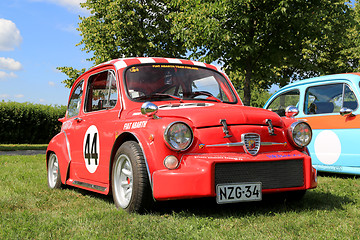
<point>330,104</point>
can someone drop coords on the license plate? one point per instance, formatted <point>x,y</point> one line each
<point>238,192</point>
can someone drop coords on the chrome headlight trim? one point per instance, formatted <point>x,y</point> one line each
<point>172,140</point>
<point>300,134</point>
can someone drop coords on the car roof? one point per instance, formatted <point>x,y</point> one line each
<point>125,62</point>
<point>353,77</point>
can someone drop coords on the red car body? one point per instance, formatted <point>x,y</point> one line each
<point>160,128</point>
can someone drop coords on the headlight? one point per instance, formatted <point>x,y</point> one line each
<point>300,133</point>
<point>178,136</point>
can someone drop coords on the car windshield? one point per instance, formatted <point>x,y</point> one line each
<point>159,82</point>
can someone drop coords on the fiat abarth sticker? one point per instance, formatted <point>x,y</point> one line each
<point>175,66</point>
<point>135,125</point>
<point>91,149</point>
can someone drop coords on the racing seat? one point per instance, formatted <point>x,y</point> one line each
<point>321,107</point>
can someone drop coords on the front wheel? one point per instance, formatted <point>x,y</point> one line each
<point>129,179</point>
<point>53,172</point>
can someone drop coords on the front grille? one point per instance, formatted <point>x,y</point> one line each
<point>272,174</point>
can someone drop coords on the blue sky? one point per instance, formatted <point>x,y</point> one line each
<point>36,36</point>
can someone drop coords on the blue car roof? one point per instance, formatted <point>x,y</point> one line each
<point>354,77</point>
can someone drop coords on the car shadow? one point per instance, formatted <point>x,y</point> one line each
<point>338,175</point>
<point>105,198</point>
<point>271,204</point>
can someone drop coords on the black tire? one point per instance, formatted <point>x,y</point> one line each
<point>129,179</point>
<point>53,172</point>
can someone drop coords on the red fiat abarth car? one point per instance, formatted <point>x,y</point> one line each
<point>148,129</point>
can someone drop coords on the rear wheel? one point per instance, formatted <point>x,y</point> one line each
<point>53,172</point>
<point>129,179</point>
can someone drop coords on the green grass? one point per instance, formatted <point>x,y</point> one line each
<point>29,210</point>
<point>15,147</point>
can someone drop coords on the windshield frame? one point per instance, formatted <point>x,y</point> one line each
<point>219,77</point>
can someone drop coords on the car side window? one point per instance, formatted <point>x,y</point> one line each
<point>75,100</point>
<point>329,99</point>
<point>101,91</point>
<point>350,100</point>
<point>280,103</point>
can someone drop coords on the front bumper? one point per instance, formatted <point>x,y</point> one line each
<point>198,174</point>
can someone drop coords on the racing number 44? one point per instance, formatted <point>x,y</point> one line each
<point>93,154</point>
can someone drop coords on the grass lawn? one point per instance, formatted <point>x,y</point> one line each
<point>29,210</point>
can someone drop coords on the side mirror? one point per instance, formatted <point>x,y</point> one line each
<point>291,111</point>
<point>344,111</point>
<point>149,109</point>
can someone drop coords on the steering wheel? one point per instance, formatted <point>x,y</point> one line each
<point>205,93</point>
<point>199,93</point>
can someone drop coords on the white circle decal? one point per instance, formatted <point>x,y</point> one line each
<point>327,147</point>
<point>91,149</point>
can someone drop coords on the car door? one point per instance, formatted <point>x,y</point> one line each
<point>334,136</point>
<point>72,124</point>
<point>95,132</point>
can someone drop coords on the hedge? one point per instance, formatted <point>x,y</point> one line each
<point>29,123</point>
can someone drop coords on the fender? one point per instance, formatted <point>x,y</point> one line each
<point>56,145</point>
<point>125,136</point>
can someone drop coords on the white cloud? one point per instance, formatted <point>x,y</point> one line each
<point>6,76</point>
<point>10,36</point>
<point>19,95</point>
<point>72,5</point>
<point>9,64</point>
<point>52,84</point>
<point>69,28</point>
<point>4,95</point>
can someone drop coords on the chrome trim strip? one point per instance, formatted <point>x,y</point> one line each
<point>236,144</point>
<point>146,161</point>
<point>273,144</point>
<point>240,144</point>
<point>67,145</point>
<point>88,185</point>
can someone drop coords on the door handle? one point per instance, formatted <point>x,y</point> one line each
<point>78,119</point>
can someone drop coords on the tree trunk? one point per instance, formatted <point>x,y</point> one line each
<point>247,83</point>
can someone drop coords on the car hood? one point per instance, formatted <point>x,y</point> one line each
<point>210,114</point>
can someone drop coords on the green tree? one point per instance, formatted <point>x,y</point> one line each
<point>72,74</point>
<point>123,28</point>
<point>352,50</point>
<point>259,95</point>
<point>266,42</point>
